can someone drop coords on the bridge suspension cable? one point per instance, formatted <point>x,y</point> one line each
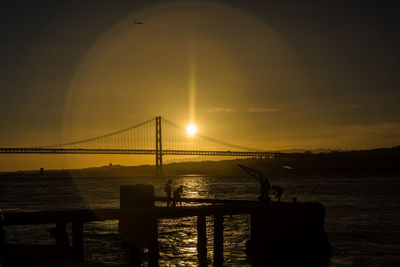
<point>145,138</point>
<point>126,136</point>
<point>195,142</point>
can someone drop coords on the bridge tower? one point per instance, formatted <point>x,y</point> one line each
<point>158,147</point>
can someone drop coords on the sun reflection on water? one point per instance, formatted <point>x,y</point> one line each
<point>196,186</point>
<point>178,237</point>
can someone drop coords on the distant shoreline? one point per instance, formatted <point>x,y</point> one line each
<point>376,161</point>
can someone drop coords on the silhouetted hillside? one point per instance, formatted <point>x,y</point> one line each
<point>382,160</point>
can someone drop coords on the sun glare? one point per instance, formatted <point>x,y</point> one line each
<point>191,129</point>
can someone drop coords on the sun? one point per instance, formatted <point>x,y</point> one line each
<point>191,129</point>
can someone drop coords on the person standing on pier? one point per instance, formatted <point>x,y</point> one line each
<point>178,196</point>
<point>168,190</point>
<point>265,188</point>
<point>278,191</point>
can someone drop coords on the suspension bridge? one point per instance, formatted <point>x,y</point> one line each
<point>157,136</point>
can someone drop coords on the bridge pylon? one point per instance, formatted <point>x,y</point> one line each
<point>158,147</point>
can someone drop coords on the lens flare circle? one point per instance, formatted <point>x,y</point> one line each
<point>191,129</point>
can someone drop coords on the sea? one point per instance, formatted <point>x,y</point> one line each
<point>362,214</point>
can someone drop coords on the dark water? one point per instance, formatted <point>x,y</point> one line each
<point>362,214</point>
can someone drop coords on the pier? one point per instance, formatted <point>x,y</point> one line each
<point>283,228</point>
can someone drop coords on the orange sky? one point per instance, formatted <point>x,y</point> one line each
<point>259,76</point>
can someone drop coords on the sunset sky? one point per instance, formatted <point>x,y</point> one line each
<point>273,76</point>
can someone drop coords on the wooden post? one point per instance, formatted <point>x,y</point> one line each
<point>77,239</point>
<point>252,226</point>
<point>60,234</point>
<point>134,259</point>
<point>154,252</point>
<point>202,240</point>
<point>218,240</point>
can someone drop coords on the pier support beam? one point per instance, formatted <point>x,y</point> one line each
<point>252,226</point>
<point>77,239</point>
<point>154,252</point>
<point>202,240</point>
<point>218,240</point>
<point>60,234</point>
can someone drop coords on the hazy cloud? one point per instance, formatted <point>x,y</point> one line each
<point>262,109</point>
<point>214,110</point>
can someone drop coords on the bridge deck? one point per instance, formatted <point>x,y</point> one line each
<point>11,150</point>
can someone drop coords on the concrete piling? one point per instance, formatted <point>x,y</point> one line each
<point>138,230</point>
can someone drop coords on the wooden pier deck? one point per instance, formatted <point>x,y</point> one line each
<point>216,208</point>
<point>89,215</point>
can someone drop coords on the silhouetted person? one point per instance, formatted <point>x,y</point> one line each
<point>265,188</point>
<point>178,196</point>
<point>168,190</point>
<point>278,192</point>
